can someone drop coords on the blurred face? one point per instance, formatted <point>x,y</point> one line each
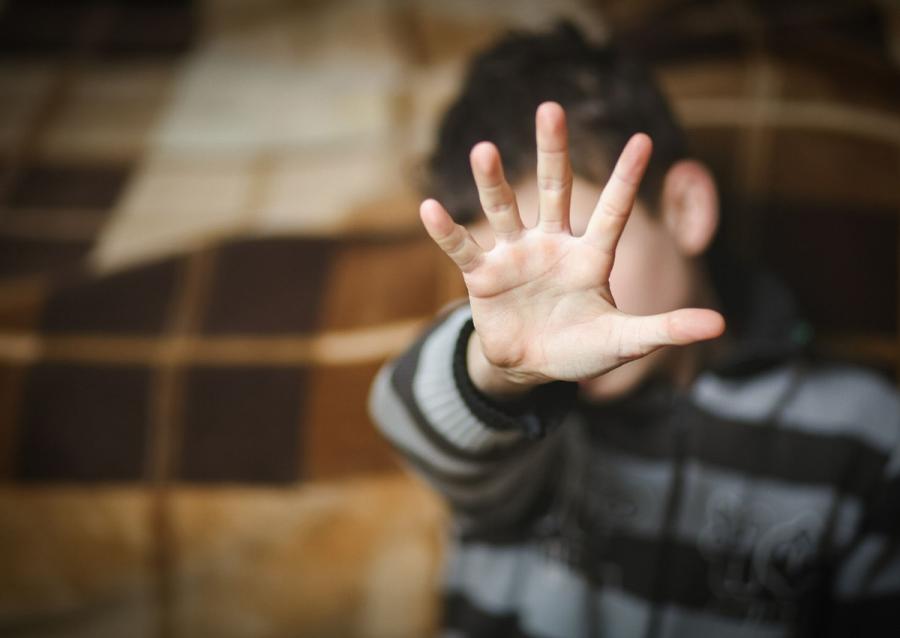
<point>650,275</point>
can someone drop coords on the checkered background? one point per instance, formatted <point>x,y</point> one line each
<point>208,245</point>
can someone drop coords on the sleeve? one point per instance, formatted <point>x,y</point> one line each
<point>490,461</point>
<point>866,587</point>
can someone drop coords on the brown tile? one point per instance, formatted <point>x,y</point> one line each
<point>41,27</point>
<point>53,224</point>
<point>24,86</point>
<point>76,562</point>
<point>21,303</point>
<point>336,560</point>
<point>713,78</point>
<point>83,423</point>
<point>339,439</point>
<point>841,263</point>
<point>241,425</point>
<point>135,301</point>
<point>150,29</point>
<point>831,167</point>
<point>12,378</point>
<point>825,67</point>
<point>706,32</point>
<point>23,256</point>
<point>719,148</point>
<point>374,282</point>
<point>444,36</point>
<point>268,286</point>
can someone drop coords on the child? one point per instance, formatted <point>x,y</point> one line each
<point>730,486</point>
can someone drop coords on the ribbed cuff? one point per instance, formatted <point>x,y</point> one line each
<point>534,414</point>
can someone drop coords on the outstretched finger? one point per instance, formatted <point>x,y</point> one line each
<point>554,173</point>
<point>614,206</point>
<point>496,195</point>
<point>642,335</point>
<point>452,238</point>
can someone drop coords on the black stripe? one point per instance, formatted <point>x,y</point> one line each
<point>485,473</point>
<point>473,622</point>
<point>708,582</point>
<point>505,519</point>
<point>871,617</point>
<point>755,449</point>
<point>883,511</point>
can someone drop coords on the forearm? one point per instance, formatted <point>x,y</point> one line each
<point>425,407</point>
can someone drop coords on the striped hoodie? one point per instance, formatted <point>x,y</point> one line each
<point>762,501</point>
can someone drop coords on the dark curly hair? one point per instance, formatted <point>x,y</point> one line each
<point>607,93</point>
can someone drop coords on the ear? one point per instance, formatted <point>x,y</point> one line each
<point>690,206</point>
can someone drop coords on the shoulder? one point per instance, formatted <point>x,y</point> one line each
<point>840,398</point>
<point>831,399</point>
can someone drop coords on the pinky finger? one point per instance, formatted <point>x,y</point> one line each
<point>452,238</point>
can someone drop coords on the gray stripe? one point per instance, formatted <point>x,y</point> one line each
<point>847,400</point>
<point>439,399</point>
<point>626,492</point>
<point>683,622</point>
<point>835,400</point>
<point>514,481</point>
<point>850,579</point>
<point>745,399</point>
<point>717,502</point>
<point>550,598</point>
<point>393,419</point>
<point>510,485</point>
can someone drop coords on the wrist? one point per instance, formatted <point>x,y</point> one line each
<point>491,380</point>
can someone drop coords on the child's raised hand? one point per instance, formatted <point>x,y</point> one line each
<point>540,298</point>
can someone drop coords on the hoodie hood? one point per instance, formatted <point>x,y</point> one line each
<point>765,325</point>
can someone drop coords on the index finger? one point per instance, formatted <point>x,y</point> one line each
<point>617,199</point>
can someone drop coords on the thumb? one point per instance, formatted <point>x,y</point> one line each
<point>675,328</point>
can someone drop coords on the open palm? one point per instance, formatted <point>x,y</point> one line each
<point>540,298</point>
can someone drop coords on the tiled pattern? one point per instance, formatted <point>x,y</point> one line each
<point>208,246</point>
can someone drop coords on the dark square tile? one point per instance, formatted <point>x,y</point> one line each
<point>69,186</point>
<point>241,425</point>
<point>150,29</point>
<point>134,301</point>
<point>268,286</point>
<point>840,263</point>
<point>84,423</point>
<point>20,256</point>
<point>12,378</point>
<point>40,27</point>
